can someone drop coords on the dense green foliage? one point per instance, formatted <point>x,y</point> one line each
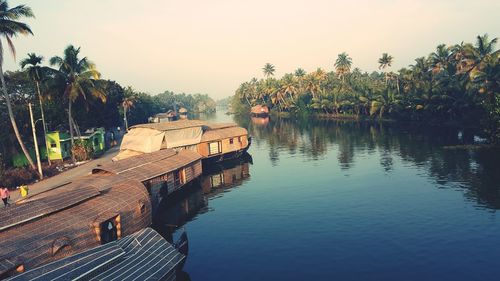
<point>88,111</point>
<point>457,84</point>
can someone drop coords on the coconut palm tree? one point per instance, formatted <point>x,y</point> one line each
<point>11,27</point>
<point>75,78</point>
<point>36,73</point>
<point>129,98</point>
<point>384,62</point>
<point>300,72</point>
<point>268,70</point>
<point>343,65</point>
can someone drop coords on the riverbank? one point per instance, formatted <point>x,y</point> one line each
<point>65,177</point>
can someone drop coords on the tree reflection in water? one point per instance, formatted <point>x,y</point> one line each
<point>475,171</point>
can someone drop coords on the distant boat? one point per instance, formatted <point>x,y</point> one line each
<point>259,111</point>
<point>144,255</point>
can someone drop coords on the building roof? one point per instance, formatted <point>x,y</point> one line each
<point>150,165</point>
<point>223,133</point>
<point>259,109</point>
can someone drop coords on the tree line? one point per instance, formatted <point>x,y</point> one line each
<point>68,93</point>
<point>458,85</point>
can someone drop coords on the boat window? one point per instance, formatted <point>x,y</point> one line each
<point>53,145</point>
<point>180,177</point>
<point>214,148</point>
<point>109,231</point>
<point>231,141</point>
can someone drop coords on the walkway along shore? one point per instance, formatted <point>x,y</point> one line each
<point>114,201</point>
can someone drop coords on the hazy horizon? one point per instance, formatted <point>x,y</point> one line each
<point>213,46</point>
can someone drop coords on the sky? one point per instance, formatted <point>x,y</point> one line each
<point>213,46</point>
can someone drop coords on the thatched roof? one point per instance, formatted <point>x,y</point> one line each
<point>62,219</point>
<point>224,133</point>
<point>150,165</point>
<point>259,109</point>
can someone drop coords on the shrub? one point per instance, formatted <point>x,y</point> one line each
<point>19,176</point>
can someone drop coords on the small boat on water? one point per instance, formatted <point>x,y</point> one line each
<point>213,141</point>
<point>259,111</point>
<point>144,255</point>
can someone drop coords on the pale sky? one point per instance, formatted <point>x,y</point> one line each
<point>211,46</point>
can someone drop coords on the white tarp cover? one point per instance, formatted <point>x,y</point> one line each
<point>183,137</point>
<point>142,140</point>
<point>124,154</point>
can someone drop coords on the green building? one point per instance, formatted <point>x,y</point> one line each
<point>59,145</point>
<point>95,139</point>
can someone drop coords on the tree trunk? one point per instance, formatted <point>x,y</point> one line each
<point>43,121</point>
<point>12,119</point>
<point>33,129</point>
<point>71,129</point>
<point>125,118</point>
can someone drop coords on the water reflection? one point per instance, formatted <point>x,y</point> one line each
<point>176,210</point>
<point>475,171</point>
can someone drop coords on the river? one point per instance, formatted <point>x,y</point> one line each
<point>329,200</point>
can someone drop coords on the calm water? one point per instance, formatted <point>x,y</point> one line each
<point>343,201</point>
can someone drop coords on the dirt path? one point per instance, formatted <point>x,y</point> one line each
<point>66,176</point>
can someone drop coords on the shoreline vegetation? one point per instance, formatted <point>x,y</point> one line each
<point>457,85</point>
<point>69,94</point>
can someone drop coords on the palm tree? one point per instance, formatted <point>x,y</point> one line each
<point>483,50</point>
<point>384,62</point>
<point>300,72</point>
<point>35,72</point>
<point>75,78</point>
<point>10,27</point>
<point>129,98</point>
<point>268,70</point>
<point>343,65</point>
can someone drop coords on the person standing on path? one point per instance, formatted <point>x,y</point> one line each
<point>5,194</point>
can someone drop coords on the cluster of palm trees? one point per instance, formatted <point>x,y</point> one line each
<point>69,78</point>
<point>454,83</point>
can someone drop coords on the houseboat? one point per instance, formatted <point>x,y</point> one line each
<point>86,213</point>
<point>162,172</point>
<point>183,113</point>
<point>177,209</point>
<point>112,202</point>
<point>117,260</point>
<point>168,116</point>
<point>259,111</point>
<point>214,142</point>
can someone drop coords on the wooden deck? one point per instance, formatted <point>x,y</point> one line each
<point>144,255</point>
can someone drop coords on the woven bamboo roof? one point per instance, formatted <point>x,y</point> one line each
<point>66,214</point>
<point>259,109</point>
<point>150,165</point>
<point>224,133</point>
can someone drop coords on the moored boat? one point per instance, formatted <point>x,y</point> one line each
<point>144,255</point>
<point>214,142</point>
<point>259,111</point>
